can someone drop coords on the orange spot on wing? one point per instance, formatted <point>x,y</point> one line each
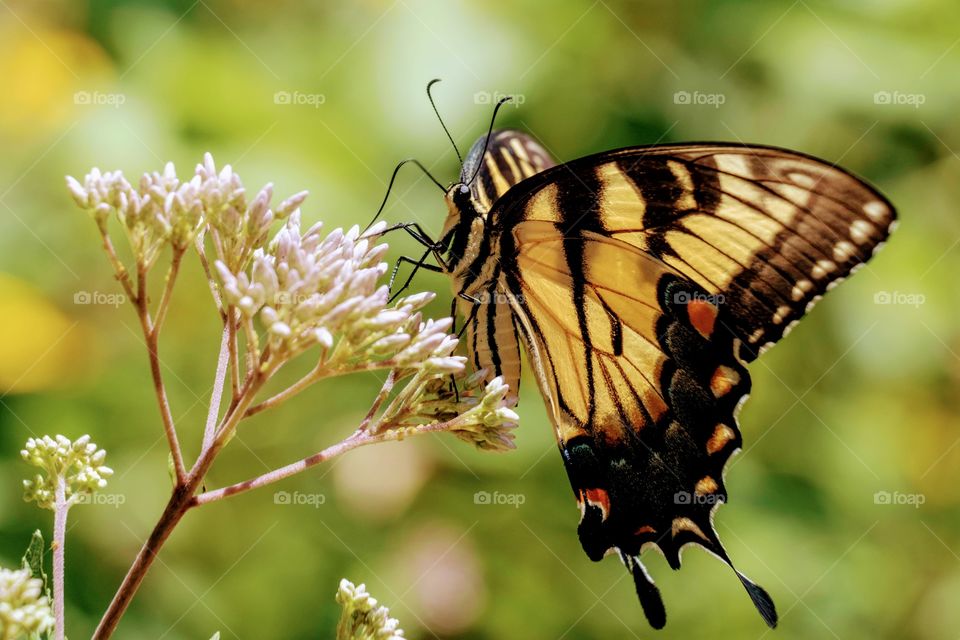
<point>706,485</point>
<point>723,379</point>
<point>703,316</point>
<point>686,524</point>
<point>721,436</point>
<point>644,529</point>
<point>598,498</point>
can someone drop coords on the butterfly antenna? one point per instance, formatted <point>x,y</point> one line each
<point>486,142</point>
<point>445,130</point>
<point>396,170</point>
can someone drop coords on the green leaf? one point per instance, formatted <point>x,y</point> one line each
<point>33,557</point>
<point>33,562</point>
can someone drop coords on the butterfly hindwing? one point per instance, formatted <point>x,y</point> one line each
<point>643,390</point>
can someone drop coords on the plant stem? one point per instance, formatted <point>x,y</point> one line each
<point>60,509</point>
<point>253,344</point>
<point>184,496</point>
<point>231,324</point>
<point>358,438</point>
<point>119,270</point>
<point>181,500</point>
<point>211,281</point>
<point>379,400</point>
<point>160,390</point>
<point>209,429</point>
<point>168,290</point>
<point>300,385</point>
<point>174,511</point>
<point>315,375</point>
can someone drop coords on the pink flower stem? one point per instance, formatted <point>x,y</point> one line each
<point>60,508</point>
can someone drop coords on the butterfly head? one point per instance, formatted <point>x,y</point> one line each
<point>497,161</point>
<point>463,228</point>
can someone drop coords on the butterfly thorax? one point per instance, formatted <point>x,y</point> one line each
<point>463,232</point>
<point>490,168</point>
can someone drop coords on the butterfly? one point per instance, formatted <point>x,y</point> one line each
<point>641,282</point>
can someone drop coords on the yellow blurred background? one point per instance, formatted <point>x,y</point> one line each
<point>860,400</point>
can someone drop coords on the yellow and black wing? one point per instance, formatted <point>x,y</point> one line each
<point>769,230</point>
<point>642,280</point>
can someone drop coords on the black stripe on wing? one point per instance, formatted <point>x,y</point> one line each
<point>578,202</point>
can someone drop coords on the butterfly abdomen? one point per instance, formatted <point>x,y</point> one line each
<point>473,256</point>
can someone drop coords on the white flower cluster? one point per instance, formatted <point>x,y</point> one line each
<point>78,463</point>
<point>24,610</point>
<point>481,414</point>
<point>162,210</point>
<point>307,289</point>
<point>238,228</point>
<point>490,421</point>
<point>362,618</point>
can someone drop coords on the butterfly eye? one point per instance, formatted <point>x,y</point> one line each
<point>464,189</point>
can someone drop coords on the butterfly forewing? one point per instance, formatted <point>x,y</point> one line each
<point>770,230</point>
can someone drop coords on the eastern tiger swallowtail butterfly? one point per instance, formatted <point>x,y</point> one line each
<point>641,282</point>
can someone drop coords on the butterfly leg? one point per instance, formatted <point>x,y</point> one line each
<point>422,237</point>
<point>473,313</point>
<point>415,231</point>
<point>453,326</point>
<point>417,265</point>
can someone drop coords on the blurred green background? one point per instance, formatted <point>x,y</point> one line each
<point>860,399</point>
